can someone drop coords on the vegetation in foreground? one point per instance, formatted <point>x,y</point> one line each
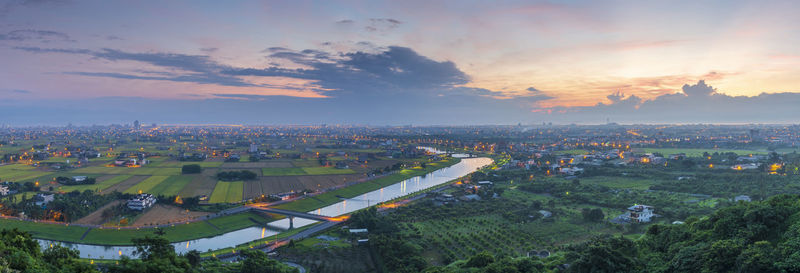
<point>20,253</point>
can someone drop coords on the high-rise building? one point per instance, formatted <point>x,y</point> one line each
<point>136,124</point>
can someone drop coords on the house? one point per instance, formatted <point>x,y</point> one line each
<point>358,230</point>
<point>485,183</point>
<point>42,199</point>
<point>4,191</point>
<point>545,214</point>
<point>744,198</point>
<point>748,166</point>
<point>142,201</point>
<point>342,165</point>
<point>79,178</point>
<point>445,198</point>
<point>640,213</point>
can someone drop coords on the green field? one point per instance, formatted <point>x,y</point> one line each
<point>179,164</point>
<point>282,171</point>
<point>46,231</point>
<point>19,172</point>
<point>104,170</point>
<point>146,185</point>
<point>227,192</point>
<point>97,186</point>
<point>620,182</point>
<point>304,171</point>
<point>171,186</point>
<point>155,171</point>
<point>328,198</point>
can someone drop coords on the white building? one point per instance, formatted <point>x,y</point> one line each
<point>640,213</point>
<point>742,198</point>
<point>42,199</point>
<point>3,190</point>
<point>253,148</point>
<point>142,201</point>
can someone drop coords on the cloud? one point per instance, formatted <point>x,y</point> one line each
<point>697,103</point>
<point>699,89</point>
<point>44,36</point>
<point>396,69</point>
<point>16,91</point>
<point>209,49</point>
<point>113,38</point>
<point>345,22</point>
<point>188,68</point>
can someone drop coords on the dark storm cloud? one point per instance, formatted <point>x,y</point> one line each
<point>397,69</point>
<point>44,36</point>
<point>189,68</point>
<point>697,103</point>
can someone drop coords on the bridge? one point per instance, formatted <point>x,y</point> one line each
<point>292,214</point>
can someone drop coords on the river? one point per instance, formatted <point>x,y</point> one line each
<point>231,239</point>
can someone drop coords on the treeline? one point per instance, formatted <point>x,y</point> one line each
<point>70,181</point>
<point>747,237</point>
<point>236,175</point>
<point>19,252</point>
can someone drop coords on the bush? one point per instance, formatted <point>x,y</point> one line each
<point>191,168</point>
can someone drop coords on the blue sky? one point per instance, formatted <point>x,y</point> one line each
<point>398,62</point>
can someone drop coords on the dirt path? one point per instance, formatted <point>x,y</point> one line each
<point>96,217</point>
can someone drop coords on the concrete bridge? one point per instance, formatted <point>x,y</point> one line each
<point>292,214</point>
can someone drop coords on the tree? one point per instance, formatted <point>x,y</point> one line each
<point>480,260</point>
<point>257,261</point>
<point>191,168</point>
<point>593,215</point>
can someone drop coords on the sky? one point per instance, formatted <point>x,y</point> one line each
<point>398,62</point>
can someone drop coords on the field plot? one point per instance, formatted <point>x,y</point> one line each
<point>257,165</point>
<point>103,182</point>
<point>19,172</point>
<point>125,184</point>
<point>96,217</point>
<point>164,214</point>
<point>227,192</point>
<point>620,182</point>
<point>104,170</point>
<point>282,171</point>
<point>199,185</point>
<point>179,164</point>
<point>304,171</point>
<point>155,171</point>
<point>171,186</point>
<point>146,185</point>
<point>326,170</point>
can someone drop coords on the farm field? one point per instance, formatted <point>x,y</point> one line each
<point>19,172</point>
<point>282,171</point>
<point>171,186</point>
<point>146,185</point>
<point>227,192</point>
